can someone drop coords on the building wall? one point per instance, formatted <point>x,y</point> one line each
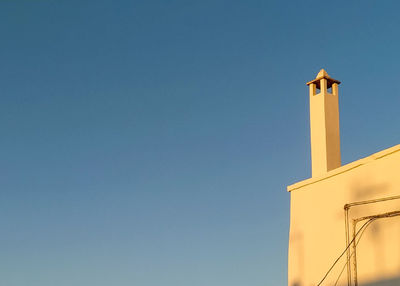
<point>318,228</point>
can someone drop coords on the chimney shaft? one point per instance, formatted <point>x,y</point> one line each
<point>324,124</point>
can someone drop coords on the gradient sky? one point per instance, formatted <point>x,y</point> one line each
<point>150,143</point>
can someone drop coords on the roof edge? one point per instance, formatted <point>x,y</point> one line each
<point>345,168</point>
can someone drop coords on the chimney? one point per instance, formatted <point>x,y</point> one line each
<point>324,123</point>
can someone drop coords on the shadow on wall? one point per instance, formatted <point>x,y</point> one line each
<point>377,254</point>
<point>366,187</point>
<point>388,282</point>
<point>378,237</point>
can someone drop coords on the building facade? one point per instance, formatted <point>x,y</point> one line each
<point>345,220</point>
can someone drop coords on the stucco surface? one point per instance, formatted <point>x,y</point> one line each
<point>318,223</point>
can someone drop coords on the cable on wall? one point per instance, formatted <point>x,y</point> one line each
<point>344,251</point>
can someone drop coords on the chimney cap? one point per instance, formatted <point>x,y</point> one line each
<point>323,74</point>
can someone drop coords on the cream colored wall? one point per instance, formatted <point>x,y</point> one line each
<point>317,223</point>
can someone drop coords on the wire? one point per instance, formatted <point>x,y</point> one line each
<point>344,251</point>
<point>344,266</point>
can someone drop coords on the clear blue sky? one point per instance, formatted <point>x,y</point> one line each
<point>150,143</point>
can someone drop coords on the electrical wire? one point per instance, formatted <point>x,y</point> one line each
<point>344,251</point>
<point>344,266</point>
